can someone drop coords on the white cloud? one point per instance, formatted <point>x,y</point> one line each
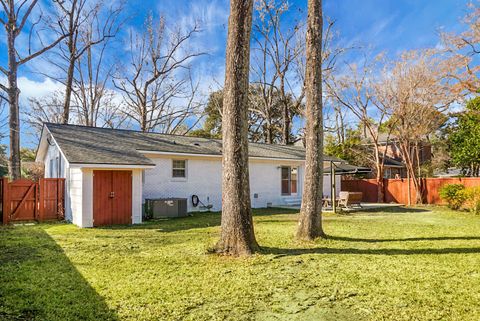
<point>30,88</point>
<point>36,89</point>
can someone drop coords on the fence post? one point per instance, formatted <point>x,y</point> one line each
<point>41,197</point>
<point>37,191</point>
<point>5,201</point>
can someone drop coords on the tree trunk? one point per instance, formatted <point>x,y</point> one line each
<point>237,235</point>
<point>286,114</point>
<point>14,120</point>
<point>380,189</point>
<point>68,91</point>
<point>419,184</point>
<point>286,124</point>
<point>379,176</point>
<point>310,220</point>
<point>406,149</point>
<point>269,132</point>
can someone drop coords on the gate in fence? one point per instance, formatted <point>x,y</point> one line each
<point>27,200</point>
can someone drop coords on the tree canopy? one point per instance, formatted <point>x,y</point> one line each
<point>464,139</point>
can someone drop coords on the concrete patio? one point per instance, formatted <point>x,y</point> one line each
<point>364,207</point>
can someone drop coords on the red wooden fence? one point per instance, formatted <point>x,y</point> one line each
<point>26,200</point>
<point>396,190</point>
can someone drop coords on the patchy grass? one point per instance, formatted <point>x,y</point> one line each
<point>409,264</point>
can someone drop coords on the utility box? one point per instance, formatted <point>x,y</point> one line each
<point>166,207</point>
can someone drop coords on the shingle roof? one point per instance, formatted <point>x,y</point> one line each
<point>93,145</point>
<point>393,162</point>
<point>342,169</point>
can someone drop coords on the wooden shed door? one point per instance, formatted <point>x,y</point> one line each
<point>112,197</point>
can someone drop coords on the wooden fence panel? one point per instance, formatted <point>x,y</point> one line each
<point>396,190</point>
<point>368,187</point>
<point>52,191</point>
<point>3,195</point>
<point>21,204</point>
<point>26,200</point>
<point>433,186</point>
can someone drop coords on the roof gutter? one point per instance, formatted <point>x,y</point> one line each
<point>219,156</point>
<point>103,165</point>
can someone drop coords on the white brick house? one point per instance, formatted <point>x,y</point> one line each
<point>101,166</point>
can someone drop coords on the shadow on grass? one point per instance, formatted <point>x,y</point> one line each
<point>195,220</point>
<point>39,282</point>
<point>389,209</point>
<point>279,252</point>
<point>408,239</point>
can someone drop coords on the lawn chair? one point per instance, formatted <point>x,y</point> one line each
<point>348,200</point>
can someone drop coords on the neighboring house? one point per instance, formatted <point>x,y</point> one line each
<point>109,172</point>
<point>394,162</point>
<point>394,168</point>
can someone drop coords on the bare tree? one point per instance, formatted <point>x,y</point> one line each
<point>334,113</point>
<point>310,220</point>
<point>3,118</point>
<point>464,47</point>
<point>417,91</point>
<point>237,234</point>
<point>86,69</point>
<point>47,109</point>
<point>258,129</point>
<point>86,24</point>
<point>157,79</point>
<point>355,90</point>
<point>96,104</point>
<point>276,52</point>
<point>14,18</point>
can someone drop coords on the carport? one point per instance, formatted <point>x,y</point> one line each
<point>336,168</point>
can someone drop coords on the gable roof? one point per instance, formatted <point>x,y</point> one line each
<point>94,145</point>
<point>391,162</point>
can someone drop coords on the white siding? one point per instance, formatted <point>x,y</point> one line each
<point>137,196</point>
<point>75,196</point>
<point>204,177</point>
<point>87,200</point>
<point>60,170</point>
<point>265,181</point>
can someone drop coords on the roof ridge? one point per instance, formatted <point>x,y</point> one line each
<point>164,134</point>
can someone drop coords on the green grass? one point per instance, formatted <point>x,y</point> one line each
<point>417,264</point>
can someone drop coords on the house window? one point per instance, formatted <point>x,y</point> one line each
<point>179,168</point>
<point>289,180</point>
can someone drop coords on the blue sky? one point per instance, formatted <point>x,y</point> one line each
<point>390,26</point>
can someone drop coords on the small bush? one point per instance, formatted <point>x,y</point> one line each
<point>454,195</point>
<point>472,199</point>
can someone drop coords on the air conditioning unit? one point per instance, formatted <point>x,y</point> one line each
<point>166,207</point>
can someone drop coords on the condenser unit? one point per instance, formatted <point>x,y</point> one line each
<point>166,207</point>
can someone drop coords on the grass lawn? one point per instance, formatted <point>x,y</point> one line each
<point>408,264</point>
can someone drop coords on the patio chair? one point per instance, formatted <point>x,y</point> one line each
<point>350,199</point>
